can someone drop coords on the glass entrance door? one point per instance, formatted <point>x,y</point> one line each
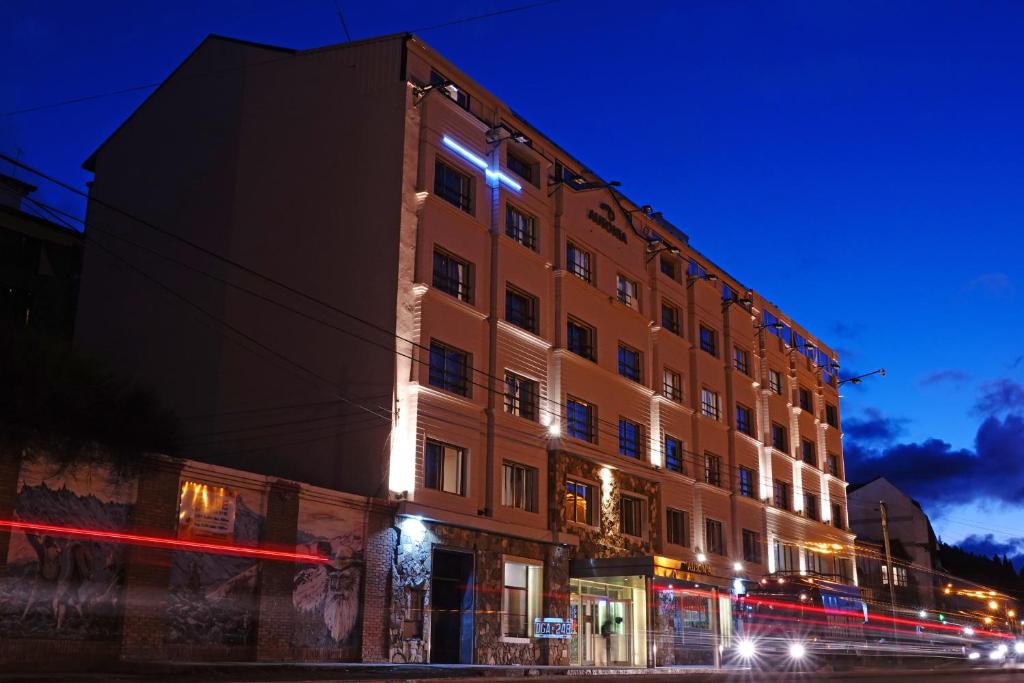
<point>607,628</point>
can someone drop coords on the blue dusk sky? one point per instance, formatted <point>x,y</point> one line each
<point>859,163</point>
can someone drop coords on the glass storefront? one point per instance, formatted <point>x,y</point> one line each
<point>611,618</point>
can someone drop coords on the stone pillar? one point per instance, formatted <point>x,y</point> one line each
<point>377,576</point>
<point>276,620</point>
<point>148,570</point>
<point>10,467</point>
<point>555,651</point>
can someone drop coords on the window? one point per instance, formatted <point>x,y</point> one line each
<point>631,515</point>
<point>713,469</point>
<point>744,419</point>
<point>453,92</point>
<point>444,467</point>
<point>747,478</point>
<point>751,546</point>
<point>708,340</point>
<point>899,576</point>
<point>580,420</point>
<point>525,169</point>
<point>579,503</point>
<point>782,498</point>
<point>520,396</point>
<point>775,381</point>
<point>674,454</point>
<point>809,452</point>
<point>817,563</point>
<point>811,508</point>
<point>629,363</point>
<point>453,187</point>
<point>670,318</point>
<point>832,462</point>
<point>451,275</point>
<point>629,438</point>
<point>626,291</point>
<point>741,360</point>
<point>521,599</point>
<point>520,227</point>
<point>805,400</point>
<point>412,624</point>
<point>449,368</point>
<point>787,557</point>
<point>837,515</point>
<point>672,385</point>
<point>780,438</point>
<point>668,267</point>
<point>519,487</point>
<point>580,339</point>
<point>521,309</point>
<point>677,526</point>
<point>714,536</point>
<point>831,415</point>
<point>709,404</point>
<point>578,262</point>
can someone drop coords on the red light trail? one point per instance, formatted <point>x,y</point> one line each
<point>104,536</point>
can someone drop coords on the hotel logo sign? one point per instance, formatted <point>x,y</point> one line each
<point>605,219</point>
<point>697,568</point>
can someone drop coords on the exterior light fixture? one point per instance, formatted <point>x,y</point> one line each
<point>859,378</point>
<point>922,614</point>
<point>493,176</point>
<point>554,430</point>
<point>737,566</point>
<point>992,604</point>
<point>701,557</point>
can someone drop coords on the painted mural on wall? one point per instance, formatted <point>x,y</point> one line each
<point>59,587</point>
<point>213,598</point>
<point>327,596</point>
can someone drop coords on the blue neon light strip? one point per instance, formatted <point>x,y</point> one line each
<point>493,177</point>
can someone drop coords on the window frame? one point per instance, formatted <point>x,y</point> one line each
<point>439,467</point>
<point>631,500</point>
<point>526,234</point>
<point>583,268</point>
<point>746,482</point>
<point>526,500</point>
<point>748,420</point>
<point>778,428</point>
<point>530,166</point>
<point>634,372</point>
<point>708,338</point>
<point>752,551</point>
<point>463,385</point>
<point>515,403</point>
<point>463,290</point>
<point>710,409</point>
<point>570,420</point>
<point>741,360</point>
<point>831,415</point>
<point>625,424</point>
<point>591,506</point>
<point>811,457</point>
<point>531,323</point>
<point>775,381</point>
<point>812,506</point>
<point>712,474</point>
<point>673,390</point>
<point>715,542</point>
<point>681,469</point>
<point>442,189</point>
<point>533,603</point>
<point>805,399</point>
<point>681,537</point>
<point>672,322</point>
<point>784,501</point>
<point>589,350</point>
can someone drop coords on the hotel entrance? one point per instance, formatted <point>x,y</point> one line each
<point>611,617</point>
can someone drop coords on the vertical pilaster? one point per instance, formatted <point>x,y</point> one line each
<point>276,625</point>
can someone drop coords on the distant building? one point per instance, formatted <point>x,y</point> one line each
<point>40,265</point>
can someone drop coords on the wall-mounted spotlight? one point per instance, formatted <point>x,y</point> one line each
<point>421,91</point>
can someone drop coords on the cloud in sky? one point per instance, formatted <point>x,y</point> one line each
<point>940,376</point>
<point>1000,396</point>
<point>874,427</point>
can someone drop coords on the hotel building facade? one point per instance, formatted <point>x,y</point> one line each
<point>593,436</point>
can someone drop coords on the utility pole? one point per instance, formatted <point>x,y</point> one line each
<point>889,569</point>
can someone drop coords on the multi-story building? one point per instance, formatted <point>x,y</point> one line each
<point>593,434</point>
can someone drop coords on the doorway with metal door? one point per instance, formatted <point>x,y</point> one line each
<point>451,609</point>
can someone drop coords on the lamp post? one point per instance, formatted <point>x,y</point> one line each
<point>859,378</point>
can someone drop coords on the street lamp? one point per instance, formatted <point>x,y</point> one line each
<point>708,277</point>
<point>859,378</point>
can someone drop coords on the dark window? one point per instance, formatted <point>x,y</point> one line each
<point>629,438</point>
<point>674,454</point>
<point>672,385</point>
<point>832,461</point>
<point>782,500</point>
<point>780,438</point>
<point>668,267</point>
<point>451,275</point>
<point>831,415</point>
<point>631,511</point>
<point>579,502</point>
<point>809,452</point>
<point>449,368</point>
<point>443,467</point>
<point>714,536</point>
<point>626,291</point>
<point>708,341</point>
<point>629,363</point>
<point>520,396</point>
<point>713,469</point>
<point>580,339</point>
<point>580,419</point>
<point>412,624</point>
<point>453,187</point>
<point>811,508</point>
<point>578,262</point>
<point>805,400</point>
<point>741,360</point>
<point>520,227</point>
<point>522,167</point>
<point>677,526</point>
<point>744,419</point>
<point>837,515</point>
<point>670,318</point>
<point>519,487</point>
<point>751,546</point>
<point>521,309</point>
<point>747,477</point>
<point>775,381</point>
<point>451,91</point>
<point>709,404</point>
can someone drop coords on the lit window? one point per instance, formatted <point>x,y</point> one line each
<point>713,469</point>
<point>580,339</point>
<point>451,275</point>
<point>519,487</point>
<point>710,404</point>
<point>746,481</point>
<point>578,262</point>
<point>677,527</point>
<point>443,467</point>
<point>521,309</point>
<point>626,291</point>
<point>580,420</point>
<point>629,438</point>
<point>520,396</point>
<point>579,503</point>
<point>751,546</point>
<point>629,363</point>
<point>741,360</point>
<point>449,368</point>
<point>674,454</point>
<point>744,419</point>
<point>714,536</point>
<point>520,227</point>
<point>672,385</point>
<point>670,318</point>
<point>631,515</point>
<point>899,576</point>
<point>454,187</point>
<point>780,438</point>
<point>521,602</point>
<point>775,382</point>
<point>787,557</point>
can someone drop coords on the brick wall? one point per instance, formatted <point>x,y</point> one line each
<point>276,621</point>
<point>379,554</point>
